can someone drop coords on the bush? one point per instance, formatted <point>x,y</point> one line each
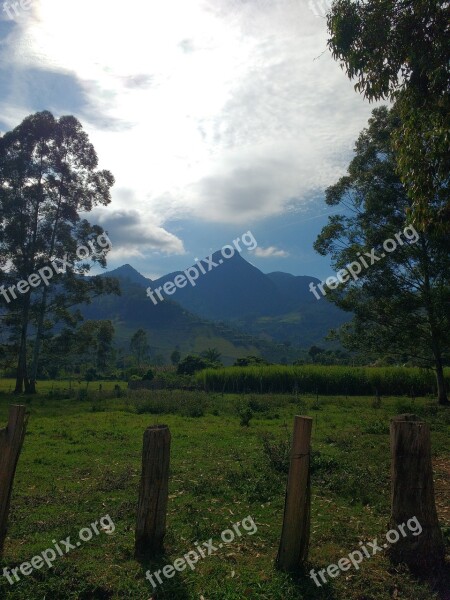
<point>245,413</point>
<point>248,361</point>
<point>138,371</point>
<point>277,453</point>
<point>191,364</point>
<point>148,376</point>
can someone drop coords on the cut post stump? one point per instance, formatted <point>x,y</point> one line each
<point>412,495</point>
<point>294,543</point>
<point>153,492</point>
<point>11,441</point>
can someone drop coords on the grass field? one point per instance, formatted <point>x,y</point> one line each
<point>81,460</point>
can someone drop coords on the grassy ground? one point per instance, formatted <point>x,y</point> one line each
<point>81,461</point>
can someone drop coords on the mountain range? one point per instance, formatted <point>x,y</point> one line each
<point>234,307</point>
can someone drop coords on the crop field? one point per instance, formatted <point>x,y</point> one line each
<point>81,460</point>
<point>322,379</point>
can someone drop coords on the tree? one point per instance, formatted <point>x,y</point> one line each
<point>175,357</point>
<point>250,360</point>
<point>149,376</point>
<point>399,49</point>
<point>314,351</point>
<point>105,350</point>
<point>190,364</point>
<point>89,345</point>
<point>139,346</point>
<point>212,355</point>
<point>48,176</point>
<point>400,300</point>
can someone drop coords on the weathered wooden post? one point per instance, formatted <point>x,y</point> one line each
<point>412,494</point>
<point>11,440</point>
<point>153,492</point>
<point>294,543</point>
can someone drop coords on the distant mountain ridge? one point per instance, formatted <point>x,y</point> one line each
<point>276,307</point>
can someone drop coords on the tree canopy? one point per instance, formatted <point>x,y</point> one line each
<point>48,177</point>
<point>400,50</point>
<point>401,302</point>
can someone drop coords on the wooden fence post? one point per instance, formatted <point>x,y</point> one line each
<point>294,543</point>
<point>412,495</point>
<point>153,492</point>
<point>11,440</point>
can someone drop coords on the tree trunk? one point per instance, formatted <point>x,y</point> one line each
<point>440,380</point>
<point>434,328</point>
<point>22,382</point>
<point>37,343</point>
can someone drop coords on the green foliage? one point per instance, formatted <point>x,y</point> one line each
<point>400,300</point>
<point>168,402</point>
<point>212,355</point>
<point>277,452</point>
<point>400,50</point>
<point>82,394</point>
<point>191,364</point>
<point>91,374</point>
<point>105,350</point>
<point>377,427</point>
<point>175,357</point>
<point>138,371</point>
<point>48,179</point>
<point>139,346</point>
<point>149,376</point>
<point>319,379</point>
<point>315,351</point>
<point>245,414</point>
<point>78,455</point>
<point>247,361</point>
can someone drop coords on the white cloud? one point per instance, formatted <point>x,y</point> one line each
<point>220,110</point>
<point>132,236</point>
<point>270,252</point>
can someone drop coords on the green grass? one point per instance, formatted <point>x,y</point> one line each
<point>81,460</point>
<point>322,379</point>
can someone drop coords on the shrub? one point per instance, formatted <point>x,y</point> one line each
<point>277,453</point>
<point>191,364</point>
<point>148,376</point>
<point>245,413</point>
<point>247,361</point>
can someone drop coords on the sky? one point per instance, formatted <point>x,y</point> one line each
<point>216,117</point>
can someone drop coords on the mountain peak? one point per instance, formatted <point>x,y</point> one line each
<point>128,272</point>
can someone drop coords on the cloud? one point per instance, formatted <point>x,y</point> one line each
<point>270,252</point>
<point>132,236</point>
<point>217,110</point>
